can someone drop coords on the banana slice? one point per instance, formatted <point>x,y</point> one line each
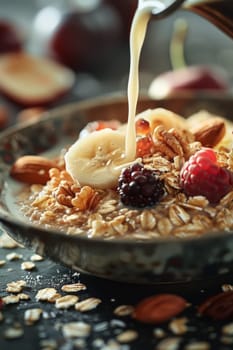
<point>162,116</point>
<point>97,159</point>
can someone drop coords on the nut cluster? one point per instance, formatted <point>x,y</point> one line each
<point>171,143</point>
<point>70,194</point>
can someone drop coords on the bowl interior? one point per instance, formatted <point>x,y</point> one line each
<point>60,127</point>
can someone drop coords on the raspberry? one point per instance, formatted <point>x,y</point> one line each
<point>139,187</point>
<point>201,175</point>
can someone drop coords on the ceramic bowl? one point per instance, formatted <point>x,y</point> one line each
<point>160,260</point>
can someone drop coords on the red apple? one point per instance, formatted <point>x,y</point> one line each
<point>87,39</point>
<point>33,81</point>
<point>11,37</point>
<point>126,10</point>
<point>84,37</point>
<point>188,79</point>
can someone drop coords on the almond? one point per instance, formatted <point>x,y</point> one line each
<point>218,307</point>
<point>209,132</point>
<point>32,169</point>
<point>159,308</point>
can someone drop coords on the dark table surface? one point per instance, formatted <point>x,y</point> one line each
<point>109,331</point>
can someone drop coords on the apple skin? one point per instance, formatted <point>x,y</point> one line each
<point>11,37</point>
<point>193,78</point>
<point>88,40</point>
<point>126,10</point>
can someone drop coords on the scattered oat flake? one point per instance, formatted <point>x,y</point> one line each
<point>228,329</point>
<point>7,242</point>
<point>23,296</point>
<point>111,345</point>
<point>66,301</point>
<point>159,333</point>
<point>28,265</point>
<point>54,298</point>
<point>127,336</point>
<point>76,329</point>
<point>117,323</point>
<point>123,310</point>
<point>202,345</point>
<point>2,262</point>
<point>46,294</point>
<point>169,344</point>
<point>79,343</point>
<point>100,327</point>
<point>75,287</point>
<point>11,299</point>
<point>14,332</point>
<point>227,287</point>
<point>13,256</point>
<point>178,325</point>
<point>48,344</point>
<point>36,257</point>
<point>87,304</point>
<point>226,340</point>
<point>15,286</point>
<point>32,315</point>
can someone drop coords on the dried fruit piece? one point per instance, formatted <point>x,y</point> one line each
<point>145,146</point>
<point>142,126</point>
<point>159,308</point>
<point>218,307</point>
<point>32,169</point>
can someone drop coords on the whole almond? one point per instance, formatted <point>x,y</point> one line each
<point>209,132</point>
<point>32,169</point>
<point>218,307</point>
<point>159,308</point>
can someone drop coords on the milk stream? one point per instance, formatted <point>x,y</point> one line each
<point>137,37</point>
<point>103,169</point>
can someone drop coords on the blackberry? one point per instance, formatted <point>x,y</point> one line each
<point>139,187</point>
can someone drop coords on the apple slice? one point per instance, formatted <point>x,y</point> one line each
<point>33,81</point>
<point>191,78</point>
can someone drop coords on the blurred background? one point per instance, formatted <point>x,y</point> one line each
<point>91,38</point>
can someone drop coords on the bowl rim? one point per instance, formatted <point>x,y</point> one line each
<point>8,218</point>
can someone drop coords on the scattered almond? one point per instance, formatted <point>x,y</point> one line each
<point>159,308</point>
<point>32,169</point>
<point>218,307</point>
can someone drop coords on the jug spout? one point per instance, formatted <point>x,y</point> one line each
<point>218,12</point>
